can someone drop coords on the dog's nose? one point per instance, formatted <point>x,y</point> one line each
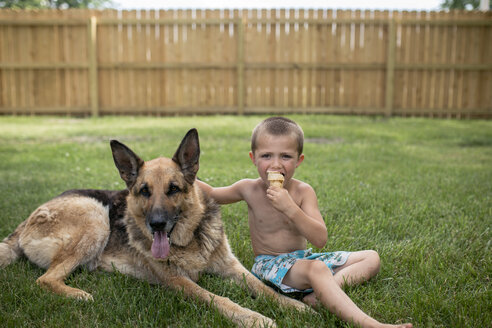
<point>158,219</point>
<point>157,224</point>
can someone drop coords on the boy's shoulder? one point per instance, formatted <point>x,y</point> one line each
<point>300,183</point>
<point>249,183</point>
<point>301,186</point>
<point>248,186</point>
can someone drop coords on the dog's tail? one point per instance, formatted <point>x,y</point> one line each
<point>10,249</point>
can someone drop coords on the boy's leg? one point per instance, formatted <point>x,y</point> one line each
<point>360,266</point>
<point>315,274</point>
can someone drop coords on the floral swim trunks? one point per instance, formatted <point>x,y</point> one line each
<point>273,269</point>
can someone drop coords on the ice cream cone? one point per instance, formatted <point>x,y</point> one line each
<point>276,179</point>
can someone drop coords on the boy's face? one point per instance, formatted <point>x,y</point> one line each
<point>276,153</point>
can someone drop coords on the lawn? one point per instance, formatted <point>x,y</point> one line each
<point>419,191</point>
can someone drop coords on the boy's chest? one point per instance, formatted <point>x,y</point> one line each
<point>264,217</point>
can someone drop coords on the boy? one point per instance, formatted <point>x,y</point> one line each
<point>282,220</point>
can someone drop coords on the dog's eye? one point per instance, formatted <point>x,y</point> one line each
<point>144,191</point>
<point>173,189</point>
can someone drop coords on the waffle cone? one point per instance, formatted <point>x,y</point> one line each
<point>276,179</point>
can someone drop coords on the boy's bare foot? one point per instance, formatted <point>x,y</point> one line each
<point>311,300</point>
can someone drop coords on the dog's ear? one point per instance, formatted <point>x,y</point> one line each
<point>127,162</point>
<point>188,154</point>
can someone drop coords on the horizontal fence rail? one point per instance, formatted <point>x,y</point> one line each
<point>83,62</point>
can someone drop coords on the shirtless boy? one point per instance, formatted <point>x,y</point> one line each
<point>282,220</point>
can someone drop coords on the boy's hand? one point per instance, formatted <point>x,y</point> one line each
<point>280,199</point>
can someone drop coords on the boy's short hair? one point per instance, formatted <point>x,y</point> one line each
<point>278,126</point>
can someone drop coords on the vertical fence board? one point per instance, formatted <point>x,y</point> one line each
<point>93,76</point>
<point>382,53</point>
<point>234,36</point>
<point>3,58</point>
<point>486,78</point>
<point>356,93</point>
<point>390,74</point>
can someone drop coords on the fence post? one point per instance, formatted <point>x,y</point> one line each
<point>240,66</point>
<point>390,68</point>
<point>93,85</point>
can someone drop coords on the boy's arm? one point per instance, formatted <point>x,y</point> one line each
<point>223,195</point>
<point>306,217</point>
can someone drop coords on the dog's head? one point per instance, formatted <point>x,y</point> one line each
<point>159,188</point>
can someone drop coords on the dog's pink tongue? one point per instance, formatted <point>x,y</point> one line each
<point>160,245</point>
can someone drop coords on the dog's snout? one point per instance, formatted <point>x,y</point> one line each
<point>160,220</point>
<point>157,223</point>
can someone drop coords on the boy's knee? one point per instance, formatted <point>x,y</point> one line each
<point>319,268</point>
<point>375,261</point>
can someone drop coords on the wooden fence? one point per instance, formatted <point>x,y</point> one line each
<point>83,62</point>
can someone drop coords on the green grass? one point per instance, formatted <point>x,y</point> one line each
<point>419,191</point>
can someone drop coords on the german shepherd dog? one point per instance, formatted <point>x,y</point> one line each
<point>162,228</point>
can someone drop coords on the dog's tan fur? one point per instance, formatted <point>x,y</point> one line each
<point>113,229</point>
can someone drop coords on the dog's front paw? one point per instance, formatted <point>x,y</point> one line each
<point>264,322</point>
<point>83,296</point>
<point>269,323</point>
<point>253,319</point>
